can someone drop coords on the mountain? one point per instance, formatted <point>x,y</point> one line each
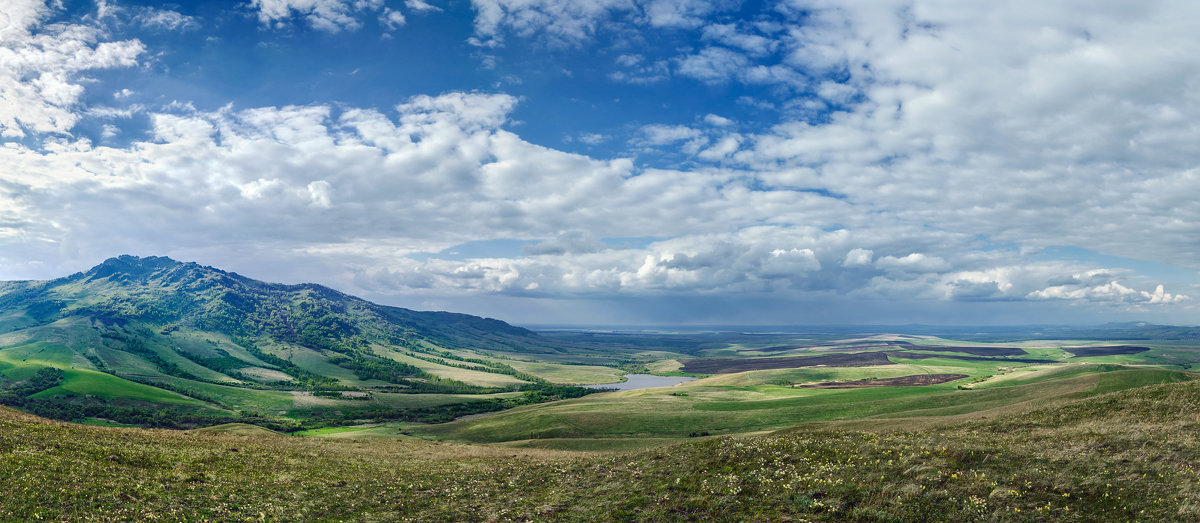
<point>135,335</point>
<point>161,291</point>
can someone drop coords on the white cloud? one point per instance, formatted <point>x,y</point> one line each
<point>786,263</point>
<point>420,5</point>
<point>729,35</point>
<point>164,19</point>
<point>639,71</point>
<point>593,138</point>
<point>717,121</point>
<point>681,13</point>
<point>325,15</point>
<point>391,18</point>
<point>858,258</point>
<point>40,84</point>
<point>320,193</point>
<point>564,22</point>
<point>721,150</point>
<point>713,64</point>
<point>1109,292</point>
<point>913,262</point>
<point>667,134</point>
<point>957,150</point>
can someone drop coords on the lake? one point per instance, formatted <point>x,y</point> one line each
<point>642,381</point>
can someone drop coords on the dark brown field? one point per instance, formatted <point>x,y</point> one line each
<point>922,356</point>
<point>1083,352</point>
<point>977,351</point>
<point>726,366</point>
<point>902,381</point>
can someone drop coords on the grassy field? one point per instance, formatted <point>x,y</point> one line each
<point>473,377</point>
<point>748,402</point>
<point>1124,456</point>
<point>568,374</point>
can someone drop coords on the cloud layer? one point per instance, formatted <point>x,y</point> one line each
<point>925,152</point>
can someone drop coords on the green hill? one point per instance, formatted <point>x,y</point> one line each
<point>157,342</point>
<point>1122,456</point>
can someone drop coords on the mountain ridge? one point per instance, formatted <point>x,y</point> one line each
<point>175,291</point>
<point>133,333</point>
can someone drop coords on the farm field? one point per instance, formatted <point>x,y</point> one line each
<point>884,381</point>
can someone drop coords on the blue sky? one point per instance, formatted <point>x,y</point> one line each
<point>621,161</point>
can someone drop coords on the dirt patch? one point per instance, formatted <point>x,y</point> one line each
<point>974,351</point>
<point>919,356</point>
<point>820,348</point>
<point>1084,352</point>
<point>902,381</point>
<point>977,351</point>
<point>731,365</point>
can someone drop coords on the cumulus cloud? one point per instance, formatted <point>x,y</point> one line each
<point>933,152</point>
<point>1109,292</point>
<point>391,18</point>
<point>716,120</point>
<point>164,19</point>
<point>1075,105</point>
<point>858,258</point>
<point>420,5</point>
<point>667,134</point>
<point>40,68</point>
<point>326,15</point>
<point>569,22</point>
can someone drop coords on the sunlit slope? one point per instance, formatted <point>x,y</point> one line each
<point>739,403</point>
<point>161,291</point>
<point>1123,456</point>
<point>137,333</point>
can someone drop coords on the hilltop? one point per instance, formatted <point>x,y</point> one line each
<point>157,290</point>
<point>154,341</point>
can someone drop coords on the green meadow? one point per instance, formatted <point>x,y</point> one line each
<point>1121,456</point>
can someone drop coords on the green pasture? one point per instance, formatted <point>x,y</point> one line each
<point>473,377</point>
<point>569,374</point>
<point>83,382</point>
<point>704,407</point>
<point>416,401</point>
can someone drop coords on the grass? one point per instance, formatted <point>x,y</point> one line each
<point>713,407</point>
<point>82,382</point>
<point>568,374</point>
<point>240,429</point>
<point>409,401</point>
<point>1123,456</point>
<point>20,362</point>
<point>473,377</point>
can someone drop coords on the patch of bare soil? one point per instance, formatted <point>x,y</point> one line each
<point>1083,352</point>
<point>731,365</point>
<point>902,381</point>
<point>977,351</point>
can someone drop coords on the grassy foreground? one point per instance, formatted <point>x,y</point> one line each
<point>1128,455</point>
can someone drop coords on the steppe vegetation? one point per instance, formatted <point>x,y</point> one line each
<point>307,404</point>
<point>1122,456</point>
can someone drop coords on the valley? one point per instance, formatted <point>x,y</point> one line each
<point>433,415</point>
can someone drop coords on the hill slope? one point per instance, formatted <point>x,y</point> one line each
<point>162,291</point>
<point>1122,456</point>
<point>135,332</point>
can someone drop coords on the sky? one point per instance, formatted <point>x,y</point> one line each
<point>622,162</point>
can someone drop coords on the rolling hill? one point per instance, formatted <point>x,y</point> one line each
<point>154,341</point>
<point>1121,456</point>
